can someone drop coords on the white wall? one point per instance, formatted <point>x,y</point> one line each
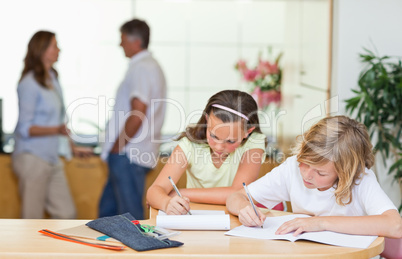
<point>372,24</point>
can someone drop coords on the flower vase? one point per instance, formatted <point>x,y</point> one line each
<point>268,114</point>
<point>265,99</point>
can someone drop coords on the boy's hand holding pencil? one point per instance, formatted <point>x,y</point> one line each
<point>250,216</point>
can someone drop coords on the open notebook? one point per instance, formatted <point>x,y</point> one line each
<point>271,224</point>
<point>199,220</point>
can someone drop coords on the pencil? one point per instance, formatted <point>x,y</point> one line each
<point>177,191</point>
<point>250,200</point>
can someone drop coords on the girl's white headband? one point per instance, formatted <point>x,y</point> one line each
<point>230,110</point>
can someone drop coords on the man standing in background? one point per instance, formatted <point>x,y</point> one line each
<point>133,132</point>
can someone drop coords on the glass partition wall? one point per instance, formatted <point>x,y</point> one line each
<point>197,43</point>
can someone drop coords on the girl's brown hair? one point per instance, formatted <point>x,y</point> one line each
<point>38,44</point>
<point>343,141</point>
<point>233,99</point>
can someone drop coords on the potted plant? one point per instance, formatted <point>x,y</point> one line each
<point>378,105</point>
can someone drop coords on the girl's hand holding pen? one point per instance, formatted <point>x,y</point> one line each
<point>183,201</point>
<point>248,217</point>
<point>178,206</point>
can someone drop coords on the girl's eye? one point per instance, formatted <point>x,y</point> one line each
<point>231,141</point>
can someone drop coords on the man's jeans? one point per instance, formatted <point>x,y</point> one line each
<point>124,189</point>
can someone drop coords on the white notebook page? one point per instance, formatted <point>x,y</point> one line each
<point>199,220</point>
<point>271,224</point>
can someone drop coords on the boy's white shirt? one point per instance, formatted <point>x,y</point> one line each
<point>284,183</point>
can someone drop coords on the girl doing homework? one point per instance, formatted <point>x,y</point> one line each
<point>224,149</point>
<point>330,179</point>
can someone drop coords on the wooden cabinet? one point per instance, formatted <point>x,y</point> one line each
<point>86,178</point>
<point>9,198</point>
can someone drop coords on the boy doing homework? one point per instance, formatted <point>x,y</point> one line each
<point>330,179</point>
<point>224,149</point>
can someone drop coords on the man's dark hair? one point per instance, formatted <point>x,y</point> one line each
<point>137,28</point>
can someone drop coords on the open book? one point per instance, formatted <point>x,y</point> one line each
<point>199,220</point>
<point>271,224</point>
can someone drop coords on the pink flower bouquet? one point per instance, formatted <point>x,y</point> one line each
<point>266,81</point>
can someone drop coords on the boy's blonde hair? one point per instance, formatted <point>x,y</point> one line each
<point>343,141</point>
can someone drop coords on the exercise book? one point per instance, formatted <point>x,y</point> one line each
<point>199,220</point>
<point>271,224</point>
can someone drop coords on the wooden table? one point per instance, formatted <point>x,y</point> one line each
<point>20,239</point>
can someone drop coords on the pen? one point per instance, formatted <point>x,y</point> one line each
<point>250,200</point>
<point>177,191</point>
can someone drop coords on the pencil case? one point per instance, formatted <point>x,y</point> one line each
<point>122,228</point>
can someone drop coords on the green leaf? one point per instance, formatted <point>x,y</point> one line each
<point>371,54</point>
<point>378,104</point>
<point>278,58</point>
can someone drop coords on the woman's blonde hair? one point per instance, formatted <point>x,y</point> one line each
<point>343,141</point>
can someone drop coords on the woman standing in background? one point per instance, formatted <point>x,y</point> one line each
<point>42,182</point>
